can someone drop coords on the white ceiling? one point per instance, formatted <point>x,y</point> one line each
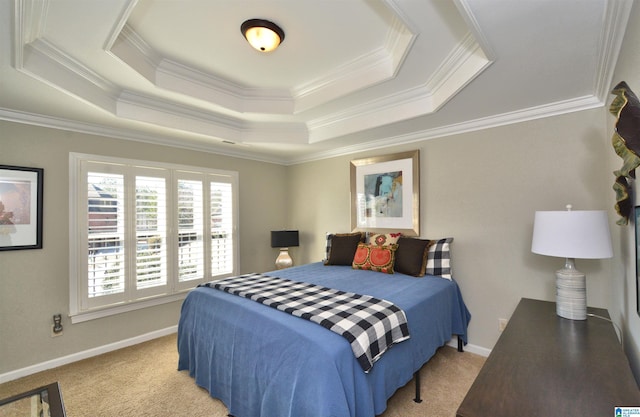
<point>350,74</point>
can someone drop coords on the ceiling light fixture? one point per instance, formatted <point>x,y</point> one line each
<point>263,35</point>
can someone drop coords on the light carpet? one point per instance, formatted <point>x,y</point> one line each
<point>142,380</point>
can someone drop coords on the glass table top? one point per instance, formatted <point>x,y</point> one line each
<point>40,402</point>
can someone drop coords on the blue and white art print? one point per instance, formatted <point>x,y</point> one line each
<point>385,194</point>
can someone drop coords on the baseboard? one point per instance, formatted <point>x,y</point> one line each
<point>54,363</point>
<point>478,350</point>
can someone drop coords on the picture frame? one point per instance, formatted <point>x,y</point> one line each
<point>385,194</point>
<point>636,217</point>
<point>21,190</point>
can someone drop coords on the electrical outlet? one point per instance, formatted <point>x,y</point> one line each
<point>502,323</point>
<point>56,329</point>
<point>53,333</point>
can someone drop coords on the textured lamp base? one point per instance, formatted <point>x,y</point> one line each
<point>284,260</point>
<point>571,292</point>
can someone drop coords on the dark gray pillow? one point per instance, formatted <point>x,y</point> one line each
<point>342,248</point>
<point>411,256</point>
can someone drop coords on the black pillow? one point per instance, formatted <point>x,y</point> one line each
<point>411,256</point>
<point>343,248</point>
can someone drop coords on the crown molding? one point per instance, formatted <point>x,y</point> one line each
<point>29,22</point>
<point>616,17</point>
<point>175,76</point>
<point>51,65</point>
<point>474,27</point>
<point>45,62</point>
<point>539,112</point>
<point>134,52</point>
<point>209,127</point>
<point>375,67</point>
<point>138,107</point>
<point>208,145</point>
<point>216,147</point>
<point>362,72</point>
<point>119,24</point>
<point>461,66</point>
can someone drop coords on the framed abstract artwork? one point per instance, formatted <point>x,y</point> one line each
<point>385,194</point>
<point>20,207</point>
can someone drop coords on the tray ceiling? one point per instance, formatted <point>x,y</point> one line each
<point>350,75</point>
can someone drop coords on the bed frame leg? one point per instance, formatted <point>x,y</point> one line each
<point>417,374</point>
<point>417,377</point>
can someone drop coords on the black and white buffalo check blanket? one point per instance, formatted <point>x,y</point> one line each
<point>371,325</point>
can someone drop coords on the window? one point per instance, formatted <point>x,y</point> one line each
<point>144,233</point>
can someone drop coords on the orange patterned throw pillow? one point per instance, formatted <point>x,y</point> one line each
<point>385,239</point>
<point>375,258</point>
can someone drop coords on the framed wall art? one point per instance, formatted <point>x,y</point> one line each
<point>20,207</point>
<point>385,194</point>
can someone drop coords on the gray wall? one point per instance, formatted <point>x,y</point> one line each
<point>624,267</point>
<point>35,283</point>
<point>483,188</point>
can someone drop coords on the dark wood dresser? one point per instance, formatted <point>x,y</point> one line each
<point>545,365</point>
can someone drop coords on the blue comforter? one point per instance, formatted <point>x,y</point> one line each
<point>265,363</point>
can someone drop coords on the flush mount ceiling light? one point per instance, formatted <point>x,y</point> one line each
<point>263,35</point>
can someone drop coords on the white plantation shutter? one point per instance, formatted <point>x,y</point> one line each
<point>151,232</point>
<point>138,232</point>
<point>105,240</point>
<point>190,230</point>
<point>222,252</point>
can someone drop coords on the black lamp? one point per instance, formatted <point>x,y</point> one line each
<point>284,239</point>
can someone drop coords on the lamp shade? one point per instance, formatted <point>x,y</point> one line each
<point>284,238</point>
<point>580,234</point>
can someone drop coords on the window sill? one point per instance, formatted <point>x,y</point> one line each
<point>80,317</point>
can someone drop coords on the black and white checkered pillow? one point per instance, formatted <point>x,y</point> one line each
<point>327,248</point>
<point>439,258</point>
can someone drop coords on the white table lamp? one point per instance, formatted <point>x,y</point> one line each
<point>572,234</point>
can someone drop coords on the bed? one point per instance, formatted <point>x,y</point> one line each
<point>261,362</point>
